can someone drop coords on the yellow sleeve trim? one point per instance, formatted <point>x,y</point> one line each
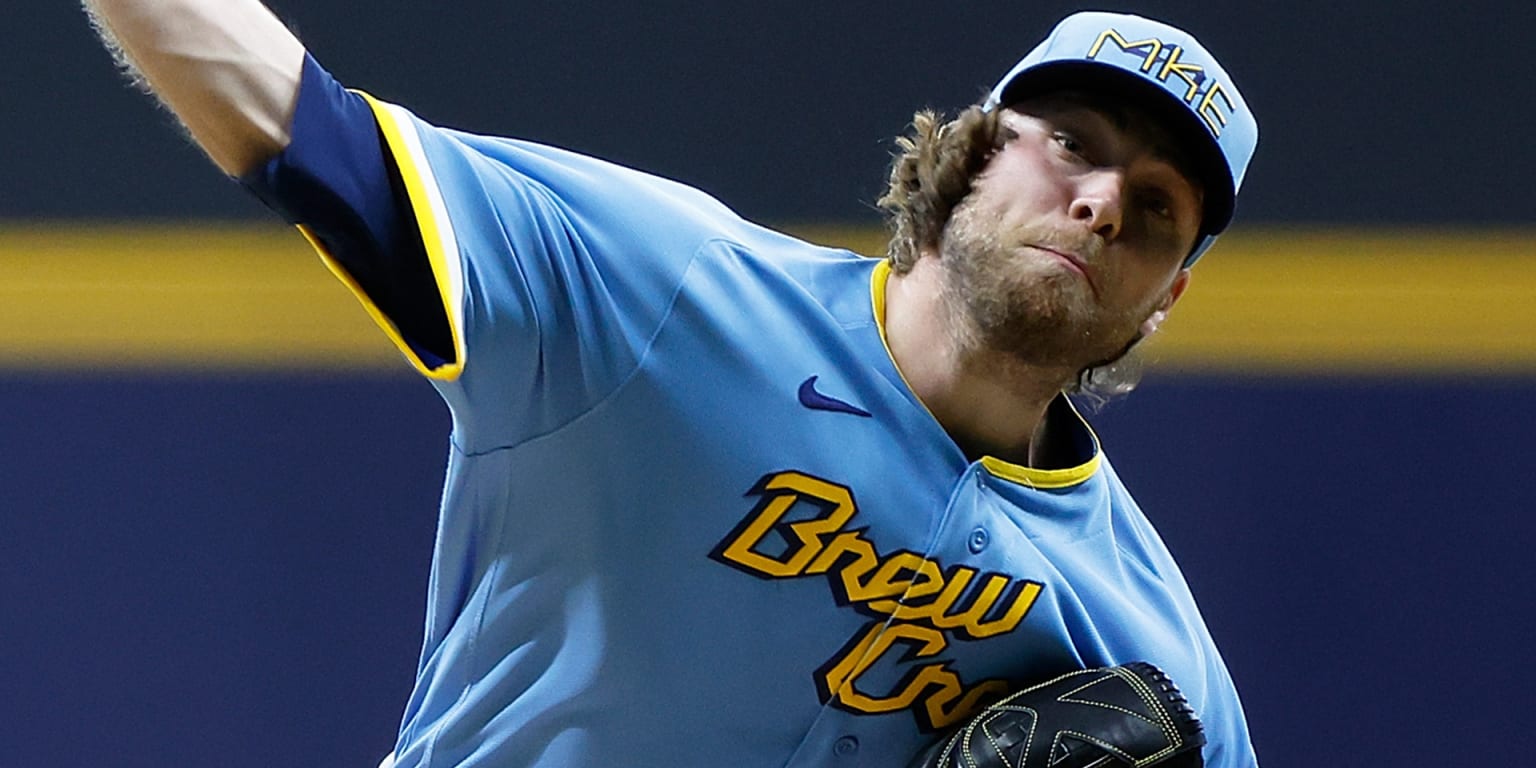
<point>1014,473</point>
<point>437,239</point>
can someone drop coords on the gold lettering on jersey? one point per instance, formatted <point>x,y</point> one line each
<point>800,527</point>
<point>1205,103</point>
<point>944,698</point>
<point>780,493</point>
<point>943,614</point>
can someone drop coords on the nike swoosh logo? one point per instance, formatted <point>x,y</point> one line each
<point>810,398</point>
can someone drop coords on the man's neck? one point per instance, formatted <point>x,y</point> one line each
<point>989,403</point>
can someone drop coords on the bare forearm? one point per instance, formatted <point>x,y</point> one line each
<point>228,69</point>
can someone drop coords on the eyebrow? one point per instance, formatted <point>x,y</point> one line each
<point>1121,118</point>
<point>1131,120</point>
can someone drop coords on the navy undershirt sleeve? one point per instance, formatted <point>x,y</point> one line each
<point>336,179</point>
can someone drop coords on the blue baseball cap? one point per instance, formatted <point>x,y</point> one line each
<point>1167,71</point>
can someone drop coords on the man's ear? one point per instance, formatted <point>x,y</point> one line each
<point>1160,312</point>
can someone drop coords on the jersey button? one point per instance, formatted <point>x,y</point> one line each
<point>845,746</point>
<point>978,540</point>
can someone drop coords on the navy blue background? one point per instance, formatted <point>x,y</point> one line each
<point>208,569</point>
<point>212,571</point>
<point>1402,112</point>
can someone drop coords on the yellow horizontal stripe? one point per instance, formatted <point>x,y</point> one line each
<point>176,297</point>
<point>97,296</point>
<point>1353,302</point>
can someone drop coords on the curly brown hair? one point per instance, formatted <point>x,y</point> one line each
<point>931,175</point>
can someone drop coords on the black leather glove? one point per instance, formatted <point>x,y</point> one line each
<point>1129,715</point>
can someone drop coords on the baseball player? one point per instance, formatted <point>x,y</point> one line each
<point>717,496</point>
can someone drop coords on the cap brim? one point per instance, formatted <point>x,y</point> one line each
<point>1210,163</point>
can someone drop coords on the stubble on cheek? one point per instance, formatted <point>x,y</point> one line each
<point>1025,304</point>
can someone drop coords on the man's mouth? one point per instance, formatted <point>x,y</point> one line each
<point>1073,262</point>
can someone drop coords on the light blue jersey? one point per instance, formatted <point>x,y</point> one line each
<point>694,516</point>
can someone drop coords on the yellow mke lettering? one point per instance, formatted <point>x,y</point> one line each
<point>1189,73</point>
<point>943,697</point>
<point>1155,45</point>
<point>1193,75</point>
<point>1208,109</point>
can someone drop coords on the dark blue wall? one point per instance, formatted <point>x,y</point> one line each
<point>1409,111</point>
<point>1361,549</point>
<point>212,571</point>
<point>230,571</point>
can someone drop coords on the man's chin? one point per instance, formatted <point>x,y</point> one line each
<point>1058,339</point>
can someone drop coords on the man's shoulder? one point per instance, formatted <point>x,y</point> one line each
<point>773,260</point>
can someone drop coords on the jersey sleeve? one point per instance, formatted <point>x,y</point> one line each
<point>335,183</point>
<point>524,280</point>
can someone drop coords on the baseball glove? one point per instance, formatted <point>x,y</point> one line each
<point>1129,715</point>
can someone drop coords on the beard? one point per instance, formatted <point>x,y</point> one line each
<point>1026,305</point>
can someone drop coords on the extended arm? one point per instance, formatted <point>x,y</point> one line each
<point>228,69</point>
<point>232,73</point>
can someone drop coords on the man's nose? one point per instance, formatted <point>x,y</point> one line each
<point>1099,200</point>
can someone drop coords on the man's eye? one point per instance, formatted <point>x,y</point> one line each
<point>1069,143</point>
<point>1162,210</point>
